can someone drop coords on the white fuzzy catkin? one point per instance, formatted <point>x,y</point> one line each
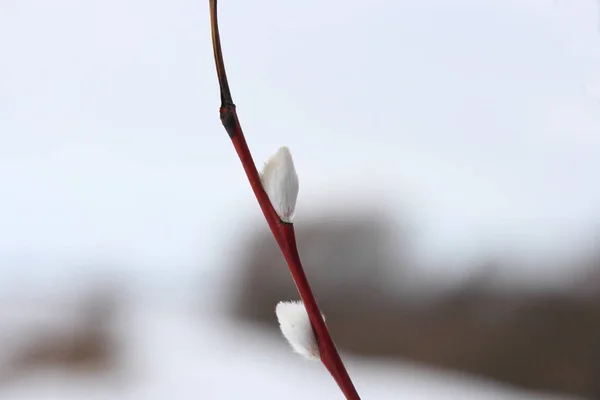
<point>280,182</point>
<point>297,329</point>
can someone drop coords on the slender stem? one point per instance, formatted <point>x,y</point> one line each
<point>329,354</point>
<point>283,232</point>
<point>285,236</point>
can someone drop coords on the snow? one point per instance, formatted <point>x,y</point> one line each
<point>174,353</point>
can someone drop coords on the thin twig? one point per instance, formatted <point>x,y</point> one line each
<point>282,231</point>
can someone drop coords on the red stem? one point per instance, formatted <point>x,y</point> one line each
<point>283,232</point>
<point>285,236</point>
<point>329,354</point>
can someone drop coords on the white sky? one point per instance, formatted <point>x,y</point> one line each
<point>480,119</point>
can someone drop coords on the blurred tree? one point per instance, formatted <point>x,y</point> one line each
<point>540,341</point>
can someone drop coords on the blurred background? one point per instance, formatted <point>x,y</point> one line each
<point>448,215</point>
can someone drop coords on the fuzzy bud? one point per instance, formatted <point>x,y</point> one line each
<point>280,182</point>
<point>297,329</point>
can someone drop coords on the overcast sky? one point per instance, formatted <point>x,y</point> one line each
<point>480,119</point>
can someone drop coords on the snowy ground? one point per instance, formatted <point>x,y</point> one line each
<point>172,353</point>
